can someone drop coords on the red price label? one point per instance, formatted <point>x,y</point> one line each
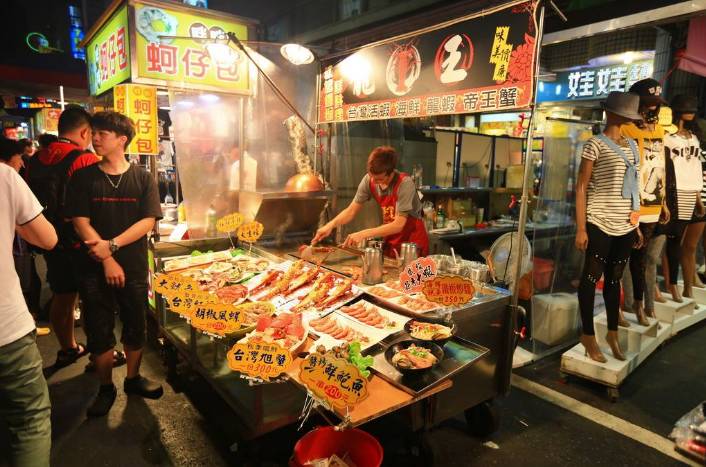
<point>417,272</point>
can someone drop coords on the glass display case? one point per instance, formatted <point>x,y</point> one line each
<point>553,312</point>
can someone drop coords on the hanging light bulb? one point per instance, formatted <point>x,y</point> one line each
<point>297,54</point>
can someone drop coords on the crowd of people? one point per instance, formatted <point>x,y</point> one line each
<point>88,213</point>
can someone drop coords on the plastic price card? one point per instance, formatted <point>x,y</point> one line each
<point>333,379</point>
<point>219,318</point>
<point>413,276</point>
<point>229,223</point>
<point>259,360</point>
<point>449,290</point>
<point>250,232</point>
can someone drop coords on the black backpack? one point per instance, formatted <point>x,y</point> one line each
<point>49,184</point>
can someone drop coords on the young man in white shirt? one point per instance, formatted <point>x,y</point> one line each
<point>24,398</point>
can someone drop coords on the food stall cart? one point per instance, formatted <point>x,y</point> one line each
<point>209,126</point>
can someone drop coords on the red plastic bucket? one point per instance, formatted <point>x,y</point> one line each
<point>362,448</point>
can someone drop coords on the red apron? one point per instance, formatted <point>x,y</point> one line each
<point>413,230</point>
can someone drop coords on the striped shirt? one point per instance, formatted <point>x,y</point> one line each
<point>606,208</point>
<point>684,151</point>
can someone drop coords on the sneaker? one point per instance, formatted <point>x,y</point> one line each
<point>103,402</point>
<point>141,386</point>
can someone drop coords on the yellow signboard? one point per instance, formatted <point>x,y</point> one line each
<point>229,223</point>
<point>263,361</point>
<point>107,54</point>
<point>140,104</point>
<point>449,290</point>
<point>193,60</point>
<point>333,380</point>
<point>219,319</point>
<point>250,232</point>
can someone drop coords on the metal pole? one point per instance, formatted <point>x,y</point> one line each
<point>61,97</point>
<point>458,142</point>
<point>524,206</point>
<point>316,118</point>
<point>275,88</point>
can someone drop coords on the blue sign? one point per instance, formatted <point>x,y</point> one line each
<point>76,33</point>
<point>593,83</point>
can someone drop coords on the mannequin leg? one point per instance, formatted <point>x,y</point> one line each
<point>654,253</point>
<point>593,268</point>
<point>692,235</point>
<point>617,259</point>
<point>674,241</point>
<point>628,291</point>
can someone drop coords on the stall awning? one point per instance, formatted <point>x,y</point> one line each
<point>693,58</point>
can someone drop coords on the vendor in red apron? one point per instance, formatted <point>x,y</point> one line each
<point>397,197</point>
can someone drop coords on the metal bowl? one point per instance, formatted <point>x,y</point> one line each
<point>437,351</point>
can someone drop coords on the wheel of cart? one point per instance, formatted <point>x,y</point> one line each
<point>483,419</point>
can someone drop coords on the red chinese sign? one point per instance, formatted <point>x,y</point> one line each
<point>413,276</point>
<point>140,104</point>
<point>481,64</point>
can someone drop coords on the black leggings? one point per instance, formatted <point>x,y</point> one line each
<point>675,233</point>
<point>606,255</point>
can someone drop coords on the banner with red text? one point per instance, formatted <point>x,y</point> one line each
<point>481,64</point>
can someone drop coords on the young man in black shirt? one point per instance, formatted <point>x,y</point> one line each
<point>113,205</point>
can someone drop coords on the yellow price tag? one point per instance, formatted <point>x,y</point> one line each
<point>171,284</point>
<point>333,379</point>
<point>184,303</point>
<point>449,290</point>
<point>250,232</point>
<point>263,361</point>
<point>218,318</point>
<point>229,223</point>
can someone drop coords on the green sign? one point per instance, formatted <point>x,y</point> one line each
<point>108,54</point>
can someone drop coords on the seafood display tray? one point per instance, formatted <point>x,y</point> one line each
<point>459,354</point>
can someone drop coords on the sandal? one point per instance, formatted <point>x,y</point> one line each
<point>119,359</point>
<point>65,358</point>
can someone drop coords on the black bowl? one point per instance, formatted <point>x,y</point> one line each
<point>444,322</point>
<point>401,345</point>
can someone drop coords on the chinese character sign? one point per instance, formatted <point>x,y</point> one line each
<point>481,64</point>
<point>333,380</point>
<point>229,223</point>
<point>413,276</point>
<point>259,360</point>
<point>193,59</point>
<point>140,104</point>
<point>107,54</point>
<point>449,290</point>
<point>593,83</point>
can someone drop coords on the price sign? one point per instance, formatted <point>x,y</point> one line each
<point>171,284</point>
<point>449,290</point>
<point>185,302</point>
<point>413,276</point>
<point>229,223</point>
<point>263,361</point>
<point>333,379</point>
<point>250,232</point>
<point>219,318</point>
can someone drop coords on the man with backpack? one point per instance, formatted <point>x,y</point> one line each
<point>48,173</point>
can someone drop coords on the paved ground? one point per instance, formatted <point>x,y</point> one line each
<point>193,427</point>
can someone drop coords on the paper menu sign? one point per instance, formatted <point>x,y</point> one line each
<point>333,379</point>
<point>263,361</point>
<point>413,275</point>
<point>229,223</point>
<point>449,290</point>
